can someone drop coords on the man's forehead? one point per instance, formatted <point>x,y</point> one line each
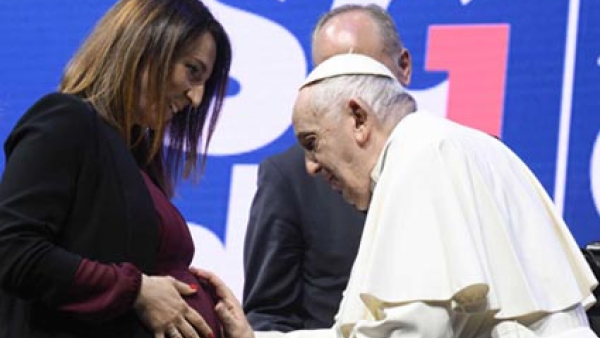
<point>350,20</point>
<point>350,32</point>
<point>351,25</point>
<point>302,102</point>
<point>304,117</point>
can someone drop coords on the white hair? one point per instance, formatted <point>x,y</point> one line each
<point>386,97</point>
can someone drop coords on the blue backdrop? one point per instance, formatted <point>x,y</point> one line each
<point>528,71</point>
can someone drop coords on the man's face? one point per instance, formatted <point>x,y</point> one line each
<point>333,150</point>
<point>356,32</point>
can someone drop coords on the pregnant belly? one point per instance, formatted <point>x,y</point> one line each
<point>203,301</point>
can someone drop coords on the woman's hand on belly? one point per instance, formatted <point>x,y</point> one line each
<point>161,307</point>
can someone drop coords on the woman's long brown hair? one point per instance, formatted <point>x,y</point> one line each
<point>137,36</point>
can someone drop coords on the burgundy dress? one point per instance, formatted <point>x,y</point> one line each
<point>175,253</point>
<point>104,291</point>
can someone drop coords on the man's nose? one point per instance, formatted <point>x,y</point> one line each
<point>312,167</point>
<point>195,94</point>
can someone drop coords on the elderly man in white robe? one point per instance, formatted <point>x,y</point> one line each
<point>461,240</point>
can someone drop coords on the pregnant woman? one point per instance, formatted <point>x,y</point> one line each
<point>90,244</point>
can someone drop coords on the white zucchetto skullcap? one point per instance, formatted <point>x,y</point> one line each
<point>347,64</point>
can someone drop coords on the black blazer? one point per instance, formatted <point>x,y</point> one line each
<point>70,189</point>
<point>300,244</point>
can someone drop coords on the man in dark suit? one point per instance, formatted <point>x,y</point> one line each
<point>302,237</point>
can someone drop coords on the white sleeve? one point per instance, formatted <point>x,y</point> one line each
<point>412,320</point>
<point>321,333</point>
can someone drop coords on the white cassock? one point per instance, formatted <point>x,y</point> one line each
<point>461,240</point>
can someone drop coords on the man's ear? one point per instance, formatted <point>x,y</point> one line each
<point>361,118</point>
<point>405,67</point>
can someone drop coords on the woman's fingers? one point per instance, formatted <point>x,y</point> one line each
<point>194,319</point>
<point>173,332</point>
<point>188,330</point>
<point>183,288</point>
<point>161,307</point>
